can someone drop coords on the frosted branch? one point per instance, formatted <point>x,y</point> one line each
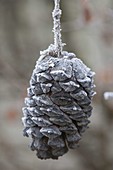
<point>57,27</point>
<point>108,95</point>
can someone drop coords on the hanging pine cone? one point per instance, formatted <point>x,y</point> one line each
<point>58,104</point>
<point>59,99</point>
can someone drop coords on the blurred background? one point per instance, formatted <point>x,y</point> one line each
<point>25,29</point>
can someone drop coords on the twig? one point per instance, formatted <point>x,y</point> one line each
<point>57,27</point>
<point>108,95</point>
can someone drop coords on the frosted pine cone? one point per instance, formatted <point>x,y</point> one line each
<point>58,104</point>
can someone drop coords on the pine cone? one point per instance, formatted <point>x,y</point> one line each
<point>58,104</point>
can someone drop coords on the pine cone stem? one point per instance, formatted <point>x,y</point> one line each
<point>57,27</point>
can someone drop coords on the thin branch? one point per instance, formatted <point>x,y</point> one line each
<point>57,27</point>
<point>108,95</point>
